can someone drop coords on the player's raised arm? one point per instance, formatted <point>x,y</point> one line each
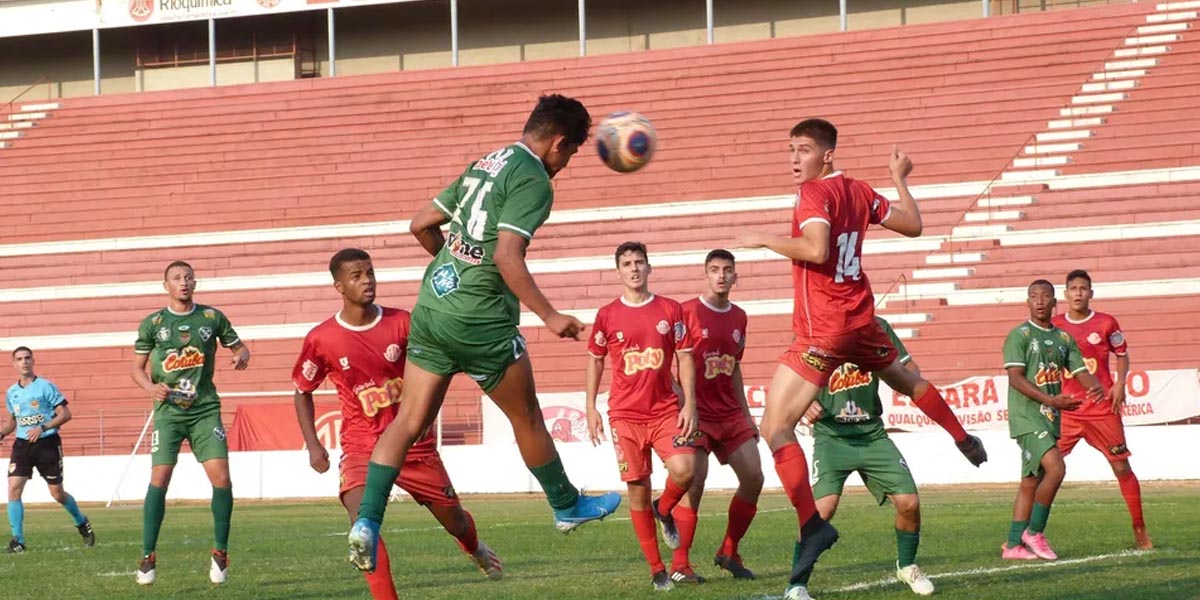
<point>510,261</point>
<point>904,217</point>
<point>318,457</point>
<point>812,246</point>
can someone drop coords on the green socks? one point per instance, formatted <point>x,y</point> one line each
<point>222,510</point>
<point>152,517</point>
<point>906,547</point>
<point>379,486</point>
<point>553,478</point>
<point>1037,520</point>
<point>1015,529</point>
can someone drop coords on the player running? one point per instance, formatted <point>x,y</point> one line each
<point>834,317</point>
<point>643,333</point>
<point>1099,423</point>
<point>467,313</point>
<point>38,410</point>
<point>361,348</point>
<point>179,343</point>
<point>719,329</point>
<point>849,436</point>
<point>1037,356</point>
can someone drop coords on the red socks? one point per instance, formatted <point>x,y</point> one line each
<point>670,498</point>
<point>741,513</point>
<point>792,468</point>
<point>1131,490</point>
<point>380,580</point>
<point>647,535</point>
<point>934,406</point>
<point>685,521</point>
<point>469,540</point>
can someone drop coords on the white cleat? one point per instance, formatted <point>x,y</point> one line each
<point>145,571</point>
<point>797,592</point>
<point>489,564</point>
<point>915,578</point>
<point>219,568</point>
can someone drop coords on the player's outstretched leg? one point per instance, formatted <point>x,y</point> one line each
<point>787,399</point>
<point>379,581</point>
<point>926,397</point>
<point>516,395</point>
<point>664,507</point>
<point>459,523</point>
<point>680,473</point>
<point>82,525</point>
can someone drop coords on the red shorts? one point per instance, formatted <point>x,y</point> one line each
<point>723,437</point>
<point>816,358</point>
<point>633,442</point>
<point>424,477</point>
<point>1106,435</point>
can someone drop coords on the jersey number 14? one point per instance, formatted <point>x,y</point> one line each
<point>847,263</point>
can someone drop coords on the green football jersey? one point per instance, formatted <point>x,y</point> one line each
<point>182,349</point>
<point>851,400</point>
<point>1044,354</point>
<point>506,190</point>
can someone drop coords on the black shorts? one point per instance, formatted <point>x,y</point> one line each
<point>45,454</point>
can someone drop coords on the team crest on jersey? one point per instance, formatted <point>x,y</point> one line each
<point>650,358</point>
<point>464,250</point>
<point>444,280</point>
<point>737,336</point>
<point>219,433</point>
<point>494,162</point>
<point>620,337</point>
<point>308,369</point>
<point>392,354</point>
<point>704,333</point>
<point>680,331</point>
<point>210,314</point>
<point>599,339</point>
<point>176,360</point>
<point>1093,338</point>
<point>156,320</point>
<point>205,333</point>
<point>34,404</point>
<point>663,327</point>
<point>1117,339</point>
<point>373,397</point>
<point>163,334</point>
<point>185,337</point>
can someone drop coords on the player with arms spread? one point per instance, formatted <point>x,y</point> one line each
<point>643,334</point>
<point>179,343</point>
<point>467,314</point>
<point>361,349</point>
<point>1099,423</point>
<point>834,316</point>
<point>719,328</point>
<point>1038,356</point>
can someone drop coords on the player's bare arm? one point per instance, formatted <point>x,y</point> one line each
<point>904,216</point>
<point>318,457</point>
<point>595,368</point>
<point>241,356</point>
<point>7,426</point>
<point>739,392</point>
<point>510,261</point>
<point>158,391</point>
<point>427,228</point>
<point>812,246</point>
<point>1117,394</point>
<point>1095,392</point>
<point>1016,379</point>
<point>62,414</point>
<point>688,419</point>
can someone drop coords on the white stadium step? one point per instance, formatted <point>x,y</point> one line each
<point>907,318</point>
<point>1076,111</point>
<point>955,258</point>
<point>1073,123</point>
<point>40,107</point>
<point>11,135</point>
<point>943,273</point>
<point>1165,28</point>
<point>1106,75</point>
<point>1179,5</point>
<point>993,215</point>
<point>1099,98</point>
<point>1059,136</point>
<point>1109,86</point>
<point>1152,39</point>
<point>1126,65</point>
<point>1175,16</point>
<point>9,125</point>
<point>27,116</point>
<point>979,231</point>
<point>1143,51</point>
<point>1002,202</point>
<point>1041,161</point>
<point>1029,175</point>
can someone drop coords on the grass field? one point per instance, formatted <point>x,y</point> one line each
<point>297,551</point>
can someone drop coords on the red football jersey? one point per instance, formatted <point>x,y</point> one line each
<point>1097,336</point>
<point>642,340</point>
<point>720,336</point>
<point>835,297</point>
<point>366,365</point>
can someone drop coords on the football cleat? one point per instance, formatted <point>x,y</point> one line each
<point>1141,540</point>
<point>16,546</point>
<point>662,583</point>
<point>1038,544</point>
<point>219,568</point>
<point>145,571</point>
<point>734,565</point>
<point>822,537</point>
<point>797,592</point>
<point>364,542</point>
<point>1018,552</point>
<point>915,579</point>
<point>686,576</point>
<point>973,449</point>
<point>85,531</point>
<point>587,508</point>
<point>666,523</point>
<point>489,564</point>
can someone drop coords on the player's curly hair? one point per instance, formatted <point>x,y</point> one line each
<point>556,114</point>
<point>344,256</point>
<point>820,130</point>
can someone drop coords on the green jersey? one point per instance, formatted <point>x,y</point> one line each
<point>1044,354</point>
<point>182,349</point>
<point>507,190</point>
<point>851,404</point>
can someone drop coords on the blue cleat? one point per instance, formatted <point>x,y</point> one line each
<point>587,508</point>
<point>364,541</point>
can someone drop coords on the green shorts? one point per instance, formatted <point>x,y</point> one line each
<point>1034,446</point>
<point>877,460</point>
<point>446,344</point>
<point>203,431</point>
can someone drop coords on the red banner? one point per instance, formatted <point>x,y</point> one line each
<point>273,427</point>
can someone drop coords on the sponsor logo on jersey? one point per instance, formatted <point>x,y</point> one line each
<point>1093,338</point>
<point>663,327</point>
<point>444,280</point>
<point>345,362</point>
<point>680,331</point>
<point>650,358</point>
<point>163,334</point>
<point>689,441</point>
<point>718,365</point>
<point>219,433</point>
<point>185,337</point>
<point>1064,336</point>
<point>188,358</point>
<point>622,466</point>
<point>847,377</point>
<point>205,333</point>
<point>1117,450</point>
<point>372,398</point>
<point>1048,343</point>
<point>210,314</point>
<point>1047,375</point>
<point>1025,330</point>
<point>392,354</point>
<point>814,360</point>
<point>34,404</point>
<point>309,369</point>
<point>851,413</point>
<point>31,420</point>
<point>1091,365</point>
<point>1051,414</point>
<point>494,162</point>
<point>464,250</point>
<point>156,320</point>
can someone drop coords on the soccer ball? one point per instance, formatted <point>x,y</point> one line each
<point>625,141</point>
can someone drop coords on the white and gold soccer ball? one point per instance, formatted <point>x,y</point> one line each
<point>625,141</point>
